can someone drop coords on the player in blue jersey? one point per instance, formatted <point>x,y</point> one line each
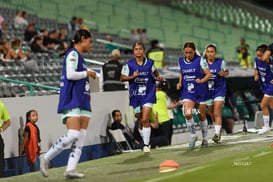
<point>74,104</point>
<point>193,79</point>
<point>217,88</point>
<point>264,75</point>
<point>141,74</point>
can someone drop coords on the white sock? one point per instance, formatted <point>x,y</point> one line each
<point>146,135</point>
<point>75,154</point>
<point>61,143</point>
<point>204,128</point>
<point>191,126</point>
<point>266,121</point>
<point>217,129</point>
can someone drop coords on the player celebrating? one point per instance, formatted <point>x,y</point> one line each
<point>216,88</point>
<point>194,73</point>
<point>142,75</point>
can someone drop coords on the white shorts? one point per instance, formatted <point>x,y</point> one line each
<point>76,112</point>
<point>138,108</point>
<point>211,101</point>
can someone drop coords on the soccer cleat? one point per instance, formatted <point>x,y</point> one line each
<point>73,174</point>
<point>204,143</point>
<point>216,138</point>
<point>192,142</point>
<point>43,166</point>
<point>264,130</point>
<point>146,149</point>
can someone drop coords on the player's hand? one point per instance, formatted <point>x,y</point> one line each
<point>135,74</point>
<point>256,78</point>
<point>198,80</point>
<point>178,86</point>
<point>91,73</point>
<point>221,73</point>
<point>159,78</point>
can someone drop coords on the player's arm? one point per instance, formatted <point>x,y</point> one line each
<point>125,74</point>
<point>206,77</point>
<point>224,71</point>
<point>179,84</point>
<point>256,75</point>
<point>204,65</point>
<point>156,73</point>
<point>268,52</point>
<point>71,67</point>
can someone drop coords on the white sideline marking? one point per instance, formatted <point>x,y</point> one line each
<point>224,138</point>
<point>261,154</point>
<point>178,174</point>
<point>250,140</point>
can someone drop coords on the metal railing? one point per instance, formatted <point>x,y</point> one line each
<point>30,85</point>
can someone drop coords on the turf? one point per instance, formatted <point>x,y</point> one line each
<point>240,157</point>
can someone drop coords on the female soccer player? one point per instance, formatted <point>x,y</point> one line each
<point>264,74</point>
<point>216,88</point>
<point>194,73</point>
<point>142,75</point>
<point>74,104</point>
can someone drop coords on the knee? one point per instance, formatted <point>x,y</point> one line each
<point>188,116</point>
<point>75,134</point>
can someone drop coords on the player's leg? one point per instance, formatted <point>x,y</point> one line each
<point>72,120</point>
<point>76,148</point>
<point>203,123</point>
<point>266,102</point>
<point>146,128</point>
<point>218,105</point>
<point>187,110</point>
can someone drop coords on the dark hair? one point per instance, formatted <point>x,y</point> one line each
<point>213,46</point>
<point>154,43</point>
<point>189,44</point>
<point>262,48</point>
<point>139,44</point>
<point>164,85</point>
<point>114,112</point>
<point>78,38</point>
<point>28,115</point>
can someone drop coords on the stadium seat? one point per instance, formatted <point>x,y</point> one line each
<point>121,143</point>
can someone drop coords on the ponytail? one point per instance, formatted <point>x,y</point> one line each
<point>77,39</point>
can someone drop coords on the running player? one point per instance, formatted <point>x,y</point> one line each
<point>264,74</point>
<point>142,75</point>
<point>217,88</point>
<point>194,74</point>
<point>74,105</point>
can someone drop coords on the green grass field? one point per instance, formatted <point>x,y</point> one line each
<point>240,157</point>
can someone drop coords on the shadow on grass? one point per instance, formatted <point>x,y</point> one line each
<point>138,159</point>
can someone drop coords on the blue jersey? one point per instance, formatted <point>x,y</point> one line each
<point>217,84</point>
<point>142,88</point>
<point>197,92</point>
<point>265,72</point>
<point>74,93</point>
